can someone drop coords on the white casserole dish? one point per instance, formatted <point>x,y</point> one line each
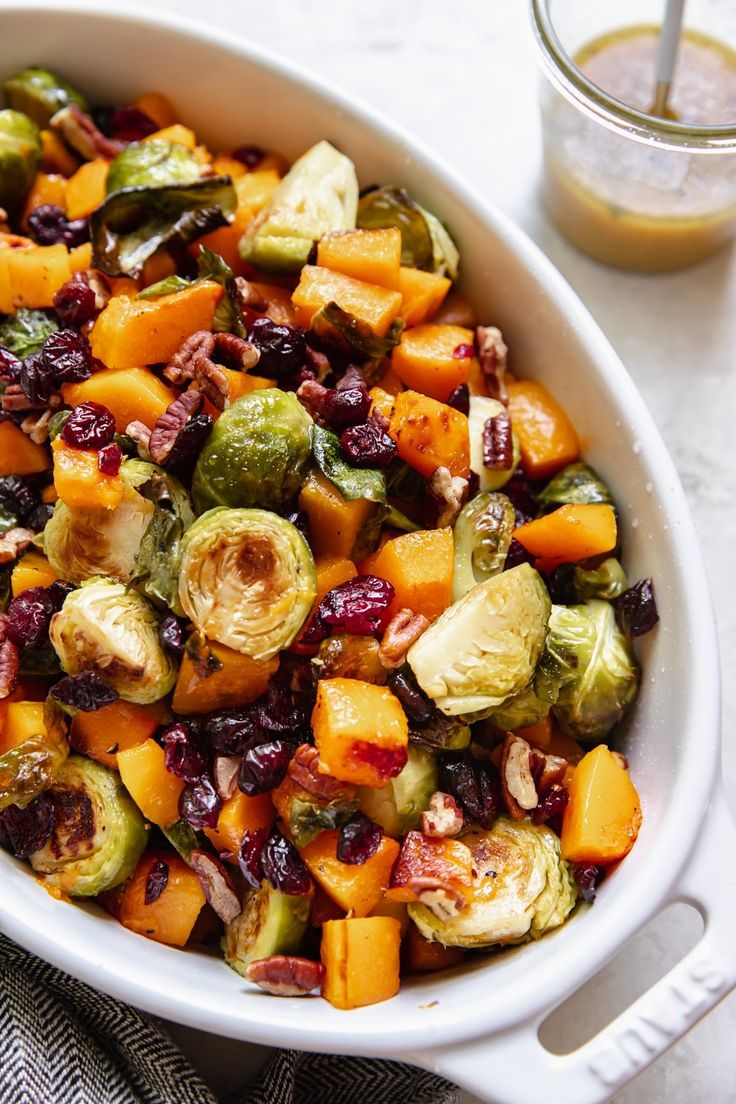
<point>481,1028</point>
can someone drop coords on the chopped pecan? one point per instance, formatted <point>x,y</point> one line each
<point>622,761</point>
<point>226,775</point>
<point>80,132</point>
<point>352,377</point>
<point>181,367</point>
<point>547,770</point>
<point>517,780</point>
<point>14,399</point>
<point>141,434</point>
<point>312,397</point>
<point>442,899</point>
<point>493,354</point>
<point>444,816</point>
<point>241,352</point>
<point>449,492</point>
<point>304,770</point>
<point>249,296</point>
<point>13,543</point>
<point>9,660</point>
<point>498,443</point>
<point>217,885</point>
<point>170,424</point>
<point>317,363</point>
<point>37,425</point>
<point>402,631</point>
<point>286,975</point>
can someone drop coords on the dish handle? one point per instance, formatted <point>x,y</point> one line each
<point>513,1067</point>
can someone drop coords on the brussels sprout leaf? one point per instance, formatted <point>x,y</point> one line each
<point>157,563</point>
<point>342,331</point>
<point>425,243</point>
<point>25,331</point>
<point>228,316</point>
<point>351,482</point>
<point>169,286</point>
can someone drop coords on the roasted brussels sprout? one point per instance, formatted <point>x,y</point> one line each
<point>482,537</point>
<point>352,337</point>
<point>351,482</point>
<point>106,628</point>
<point>306,816</point>
<point>606,581</point>
<point>489,479</point>
<point>157,561</point>
<point>40,94</point>
<point>152,164</point>
<point>247,580</point>
<point>20,157</point>
<point>398,806</point>
<point>25,331</point>
<point>271,923</point>
<point>601,675</point>
<point>317,195</point>
<point>576,484</point>
<point>80,543</point>
<point>485,647</point>
<point>99,833</point>
<point>522,888</point>
<point>256,454</point>
<point>425,243</point>
<point>32,765</point>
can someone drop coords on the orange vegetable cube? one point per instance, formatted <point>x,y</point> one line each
<point>176,133</point>
<point>603,814</point>
<point>46,188</point>
<point>547,438</point>
<point>86,189</point>
<point>158,267</point>
<point>334,521</point>
<point>32,570</point>
<point>238,815</point>
<point>430,434</point>
<point>116,727</point>
<point>158,107</point>
<point>238,681</point>
<point>425,359</point>
<point>360,730</point>
<point>155,791</point>
<point>377,306</point>
<point>370,255</point>
<point>19,455</point>
<point>356,888</point>
<point>331,571</point>
<point>422,295</point>
<point>172,916</point>
<point>361,960</point>
<point>224,165</point>
<point>57,157</point>
<point>383,401</point>
<point>253,191</point>
<point>422,956</point>
<point>79,481</point>
<point>130,394</point>
<point>419,567</point>
<point>539,734</point>
<point>21,720</point>
<point>569,534</point>
<point>37,274</point>
<point>449,860</point>
<point>80,258</point>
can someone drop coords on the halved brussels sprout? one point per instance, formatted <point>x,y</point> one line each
<point>482,536</point>
<point>577,484</point>
<point>318,194</point>
<point>157,561</point>
<point>481,409</point>
<point>606,581</point>
<point>25,331</point>
<point>425,243</point>
<point>307,816</point>
<point>152,164</point>
<point>601,675</point>
<point>522,888</point>
<point>271,923</point>
<point>20,156</point>
<point>106,628</point>
<point>99,833</point>
<point>256,454</point>
<point>32,765</point>
<point>398,806</point>
<point>247,580</point>
<point>440,733</point>
<point>485,647</point>
<point>40,94</point>
<point>80,543</point>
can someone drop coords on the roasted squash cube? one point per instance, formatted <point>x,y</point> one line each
<point>603,814</point>
<point>355,888</point>
<point>172,916</point>
<point>361,731</point>
<point>361,960</point>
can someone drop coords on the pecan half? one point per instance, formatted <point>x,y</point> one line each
<point>442,899</point>
<point>13,543</point>
<point>547,770</point>
<point>80,132</point>
<point>226,775</point>
<point>141,434</point>
<point>443,817</point>
<point>182,365</point>
<point>286,975</point>
<point>402,631</point>
<point>37,425</point>
<point>193,360</point>
<point>14,399</point>
<point>312,397</point>
<point>449,492</point>
<point>517,780</point>
<point>304,770</point>
<point>170,424</point>
<point>236,349</point>
<point>217,885</point>
<point>493,357</point>
<point>250,297</point>
<point>9,660</point>
<point>498,443</point>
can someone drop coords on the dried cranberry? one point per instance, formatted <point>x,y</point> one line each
<point>28,830</point>
<point>523,497</point>
<point>281,712</point>
<point>75,303</point>
<point>90,425</point>
<point>459,399</point>
<point>463,351</point>
<point>230,731</point>
<point>188,445</point>
<point>560,584</point>
<point>517,554</point>
<point>359,838</point>
<point>264,767</point>
<point>39,518</point>
<point>85,691</point>
<point>348,407</point>
<point>249,856</point>
<point>358,605</point>
<point>48,225</point>
<point>250,156</point>
<point>199,804</point>
<point>184,755</point>
<point>67,356</point>
<point>475,785</point>
<point>587,878</point>
<point>414,701</point>
<point>130,124</point>
<point>368,445</point>
<point>109,459</point>
<point>36,379</point>
<point>156,882</point>
<point>28,617</point>
<point>552,804</point>
<point>636,609</point>
<point>58,591</point>
<point>20,494</point>
<point>10,366</point>
<point>171,634</point>
<point>283,866</point>
<point>300,520</point>
<point>282,348</point>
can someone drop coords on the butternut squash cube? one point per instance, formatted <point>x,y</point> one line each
<point>425,359</point>
<point>19,455</point>
<point>361,960</point>
<point>334,521</point>
<point>603,814</point>
<point>158,107</point>
<point>116,727</point>
<point>46,188</point>
<point>422,295</point>
<point>155,791</point>
<point>356,888</point>
<point>238,815</point>
<point>79,481</point>
<point>37,274</point>
<point>86,189</point>
<point>57,157</point>
<point>172,916</point>
<point>423,956</point>
<point>361,731</point>
<point>22,719</point>
<point>32,570</point>
<point>570,533</point>
<point>180,135</point>
<point>430,434</point>
<point>419,567</point>
<point>130,394</point>
<point>370,255</point>
<point>239,681</point>
<point>374,305</point>
<point>547,438</point>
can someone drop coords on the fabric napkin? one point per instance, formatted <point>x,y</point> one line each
<point>63,1043</point>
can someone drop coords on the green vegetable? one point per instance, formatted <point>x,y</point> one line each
<point>351,482</point>
<point>168,286</point>
<point>398,805</point>
<point>318,194</point>
<point>41,94</point>
<point>424,241</point>
<point>256,454</point>
<point>157,561</point>
<point>228,315</point>
<point>133,223</point>
<point>99,834</point>
<point>600,672</point>
<point>40,663</point>
<point>152,164</point>
<point>607,581</point>
<point>20,157</point>
<point>489,479</point>
<point>8,519</point>
<point>80,542</point>
<point>441,733</point>
<point>482,536</point>
<point>485,647</point>
<point>182,838</point>
<point>25,331</point>
<point>307,816</point>
<point>577,484</point>
<point>30,767</point>
<point>247,580</point>
<point>522,888</point>
<point>111,630</point>
<point>342,331</point>
<point>271,923</point>
<point>57,423</point>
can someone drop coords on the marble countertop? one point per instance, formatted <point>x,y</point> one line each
<point>463,78</point>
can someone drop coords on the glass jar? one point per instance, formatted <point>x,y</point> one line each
<point>634,190</point>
